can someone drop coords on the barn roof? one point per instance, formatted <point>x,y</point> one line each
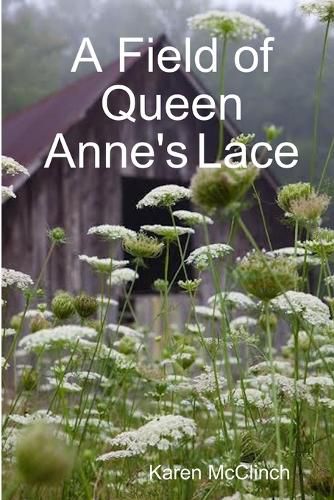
<point>28,134</point>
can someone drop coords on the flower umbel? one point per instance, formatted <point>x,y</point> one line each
<point>164,196</point>
<point>142,246</point>
<point>202,257</point>
<point>233,25</point>
<point>266,277</point>
<point>324,9</point>
<point>10,166</point>
<point>163,433</point>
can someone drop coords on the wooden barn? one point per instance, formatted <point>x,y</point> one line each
<point>77,199</point>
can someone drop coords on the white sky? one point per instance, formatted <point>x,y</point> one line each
<point>279,5</point>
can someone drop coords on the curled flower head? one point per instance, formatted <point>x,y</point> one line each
<point>39,322</point>
<point>111,232</point>
<point>232,25</point>
<point>266,277</point>
<point>190,286</point>
<point>42,458</point>
<point>142,246</point>
<point>218,188</point>
<point>308,211</point>
<point>62,305</point>
<point>323,9</point>
<point>169,233</point>
<point>192,218</point>
<point>292,193</point>
<point>85,305</point>
<point>164,196</point>
<point>10,166</point>
<point>201,257</point>
<point>322,242</point>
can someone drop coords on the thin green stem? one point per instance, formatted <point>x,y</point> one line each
<point>317,105</point>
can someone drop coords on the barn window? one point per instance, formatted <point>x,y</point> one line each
<point>133,189</point>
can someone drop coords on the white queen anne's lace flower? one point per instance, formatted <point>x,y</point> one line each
<point>236,299</point>
<point>168,232</point>
<point>9,277</point>
<point>111,232</point>
<point>7,192</point>
<point>208,312</point>
<point>308,307</point>
<point>192,218</point>
<point>233,25</point>
<point>7,332</point>
<point>329,280</point>
<point>126,331</point>
<point>10,166</point>
<point>122,276</point>
<point>162,433</point>
<point>44,416</point>
<point>57,336</point>
<point>320,381</point>
<point>202,256</point>
<point>164,196</point>
<point>103,265</point>
<point>324,9</point>
<point>299,256</point>
<point>206,383</point>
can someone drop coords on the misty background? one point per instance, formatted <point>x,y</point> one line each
<point>41,38</point>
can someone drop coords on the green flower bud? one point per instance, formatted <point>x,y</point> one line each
<point>186,357</point>
<point>29,379</point>
<point>160,285</point>
<point>39,323</point>
<point>41,457</point>
<point>62,305</point>
<point>220,188</point>
<point>142,246</point>
<point>272,132</point>
<point>127,345</point>
<point>85,305</point>
<point>57,235</point>
<point>15,322</point>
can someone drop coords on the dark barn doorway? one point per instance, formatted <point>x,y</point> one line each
<point>133,189</point>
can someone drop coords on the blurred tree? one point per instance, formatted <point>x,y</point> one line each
<point>31,55</point>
